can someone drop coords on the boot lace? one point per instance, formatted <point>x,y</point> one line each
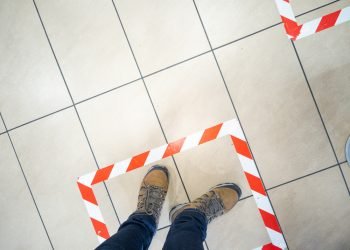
<point>151,200</point>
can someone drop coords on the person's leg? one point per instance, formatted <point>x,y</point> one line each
<point>190,220</point>
<point>188,231</point>
<point>134,234</point>
<point>137,232</point>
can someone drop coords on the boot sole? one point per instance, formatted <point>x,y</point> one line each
<point>230,185</point>
<point>175,209</point>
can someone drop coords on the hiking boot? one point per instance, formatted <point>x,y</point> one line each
<point>217,201</point>
<point>152,192</point>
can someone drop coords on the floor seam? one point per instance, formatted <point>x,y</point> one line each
<point>26,181</point>
<point>235,111</point>
<point>75,108</point>
<point>302,177</point>
<point>319,113</point>
<point>149,96</point>
<point>163,69</point>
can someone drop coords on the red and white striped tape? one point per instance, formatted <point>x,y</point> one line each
<point>297,31</point>
<point>230,128</point>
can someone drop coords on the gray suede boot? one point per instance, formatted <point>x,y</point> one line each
<point>217,201</point>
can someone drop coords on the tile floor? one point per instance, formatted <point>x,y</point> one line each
<point>84,84</point>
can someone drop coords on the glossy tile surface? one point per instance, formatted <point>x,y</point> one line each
<point>226,21</point>
<point>303,204</point>
<point>52,167</point>
<point>188,98</point>
<point>346,171</point>
<point>16,200</point>
<point>30,82</point>
<point>215,162</point>
<point>327,66</point>
<point>117,133</point>
<point>275,107</point>
<point>2,127</point>
<point>300,6</point>
<point>90,45</point>
<point>316,11</point>
<point>176,32</point>
<point>256,76</point>
<point>240,228</point>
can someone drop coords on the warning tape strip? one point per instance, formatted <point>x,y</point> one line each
<point>297,31</point>
<point>230,128</point>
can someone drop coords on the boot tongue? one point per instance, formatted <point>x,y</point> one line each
<point>153,200</point>
<point>215,206</point>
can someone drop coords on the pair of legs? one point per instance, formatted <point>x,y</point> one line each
<point>189,220</point>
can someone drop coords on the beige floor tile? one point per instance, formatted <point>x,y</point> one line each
<point>346,170</point>
<point>190,97</point>
<point>162,33</point>
<point>18,215</point>
<point>53,153</point>
<point>210,164</point>
<point>300,6</point>
<point>31,85</point>
<point>275,107</point>
<point>90,45</point>
<point>314,212</point>
<point>226,21</point>
<point>327,65</point>
<point>241,228</point>
<point>2,127</point>
<point>122,124</point>
<point>159,239</point>
<point>317,13</point>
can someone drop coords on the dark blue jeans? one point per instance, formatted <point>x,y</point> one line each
<point>187,232</point>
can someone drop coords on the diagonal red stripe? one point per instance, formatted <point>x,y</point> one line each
<point>270,246</point>
<point>102,174</point>
<point>174,147</point>
<point>328,21</point>
<point>210,133</point>
<point>87,193</point>
<point>241,147</point>
<point>138,161</point>
<point>100,228</point>
<point>255,183</point>
<point>292,27</point>
<point>270,220</point>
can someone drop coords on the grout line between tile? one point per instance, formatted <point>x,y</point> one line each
<point>107,91</point>
<point>75,108</point>
<point>148,94</point>
<point>319,114</point>
<point>27,183</point>
<point>41,117</point>
<point>206,244</point>
<point>235,111</point>
<point>246,36</point>
<point>302,177</point>
<point>173,65</point>
<point>176,64</point>
<point>168,67</point>
<point>165,227</point>
<point>317,8</point>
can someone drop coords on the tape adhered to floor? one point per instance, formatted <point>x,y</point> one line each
<point>230,128</point>
<point>297,31</point>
